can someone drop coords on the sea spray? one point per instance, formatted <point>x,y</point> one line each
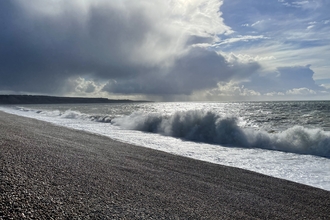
<point>210,127</point>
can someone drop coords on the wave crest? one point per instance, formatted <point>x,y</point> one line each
<point>209,127</point>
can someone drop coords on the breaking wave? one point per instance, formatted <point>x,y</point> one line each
<point>210,127</point>
<point>70,114</point>
<point>77,115</point>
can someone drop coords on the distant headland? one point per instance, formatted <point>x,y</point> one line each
<point>39,99</point>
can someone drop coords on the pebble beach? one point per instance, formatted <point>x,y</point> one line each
<point>52,172</point>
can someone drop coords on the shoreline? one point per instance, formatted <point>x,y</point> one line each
<point>50,171</point>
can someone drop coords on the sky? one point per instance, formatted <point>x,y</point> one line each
<point>166,50</point>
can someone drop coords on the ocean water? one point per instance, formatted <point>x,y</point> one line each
<point>288,140</point>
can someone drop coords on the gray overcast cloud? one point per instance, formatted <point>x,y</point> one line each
<point>107,48</point>
<point>109,42</point>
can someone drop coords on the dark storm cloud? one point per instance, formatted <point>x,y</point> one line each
<point>199,69</point>
<point>286,78</point>
<point>40,52</point>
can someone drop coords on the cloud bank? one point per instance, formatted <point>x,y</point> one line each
<point>135,44</point>
<point>131,48</point>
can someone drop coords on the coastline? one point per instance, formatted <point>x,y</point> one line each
<point>40,99</point>
<point>50,171</point>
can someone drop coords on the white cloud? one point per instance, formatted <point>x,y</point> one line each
<point>275,94</point>
<point>301,91</point>
<point>256,23</point>
<point>246,58</point>
<point>239,38</point>
<point>230,90</point>
<point>296,4</point>
<point>300,2</point>
<point>326,86</point>
<point>83,87</point>
<point>198,17</point>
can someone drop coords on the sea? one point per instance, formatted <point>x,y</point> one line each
<point>288,139</point>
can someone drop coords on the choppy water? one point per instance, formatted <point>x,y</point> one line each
<point>289,140</point>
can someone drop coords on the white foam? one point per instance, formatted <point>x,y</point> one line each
<point>210,127</point>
